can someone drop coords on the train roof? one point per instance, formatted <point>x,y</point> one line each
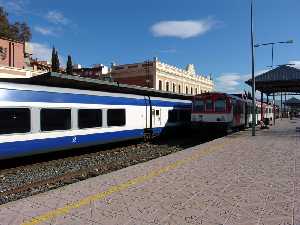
<point>220,93</point>
<point>52,79</point>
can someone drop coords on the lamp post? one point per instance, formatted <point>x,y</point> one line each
<point>274,43</point>
<point>253,77</point>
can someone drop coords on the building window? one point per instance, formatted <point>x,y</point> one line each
<point>167,86</point>
<point>55,119</point>
<point>160,85</point>
<point>179,89</point>
<point>14,120</point>
<point>88,118</point>
<point>132,66</point>
<point>174,87</point>
<point>186,90</point>
<point>116,117</point>
<point>196,90</point>
<point>191,90</point>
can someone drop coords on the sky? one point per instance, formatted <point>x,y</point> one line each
<point>214,35</point>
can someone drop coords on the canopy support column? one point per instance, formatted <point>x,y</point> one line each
<point>261,107</point>
<point>285,114</point>
<point>274,108</point>
<point>281,105</point>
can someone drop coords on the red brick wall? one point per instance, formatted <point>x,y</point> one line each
<point>11,53</point>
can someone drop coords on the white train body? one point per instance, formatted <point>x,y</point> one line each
<point>37,119</point>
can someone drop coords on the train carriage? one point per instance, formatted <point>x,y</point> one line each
<point>218,111</point>
<point>36,119</point>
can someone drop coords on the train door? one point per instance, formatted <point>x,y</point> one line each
<point>148,118</point>
<point>156,117</point>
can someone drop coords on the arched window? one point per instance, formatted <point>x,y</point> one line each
<point>179,89</point>
<point>186,90</point>
<point>174,87</point>
<point>160,85</point>
<point>167,86</point>
<point>191,90</point>
<point>196,91</point>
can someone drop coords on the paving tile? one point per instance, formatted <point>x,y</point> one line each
<point>11,217</point>
<point>251,182</point>
<point>220,209</point>
<point>241,217</point>
<point>277,221</point>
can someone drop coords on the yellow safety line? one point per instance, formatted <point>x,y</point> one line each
<point>117,188</point>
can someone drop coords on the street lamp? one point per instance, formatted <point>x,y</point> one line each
<point>253,77</point>
<point>274,43</point>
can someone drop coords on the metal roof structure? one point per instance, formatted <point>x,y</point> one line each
<point>281,79</point>
<point>292,102</point>
<point>52,79</point>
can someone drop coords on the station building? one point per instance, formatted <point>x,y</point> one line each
<point>164,77</point>
<point>15,60</point>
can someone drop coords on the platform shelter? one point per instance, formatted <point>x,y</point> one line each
<point>283,80</point>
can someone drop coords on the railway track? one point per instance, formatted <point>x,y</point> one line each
<point>26,180</point>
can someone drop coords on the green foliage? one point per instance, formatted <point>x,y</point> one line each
<point>17,31</point>
<point>69,68</point>
<point>54,61</point>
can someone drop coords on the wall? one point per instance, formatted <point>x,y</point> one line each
<point>12,53</point>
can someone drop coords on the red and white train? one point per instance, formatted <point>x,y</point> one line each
<point>221,111</point>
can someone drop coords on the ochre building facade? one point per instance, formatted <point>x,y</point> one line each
<point>162,76</point>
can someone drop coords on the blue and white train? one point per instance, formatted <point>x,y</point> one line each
<point>36,119</point>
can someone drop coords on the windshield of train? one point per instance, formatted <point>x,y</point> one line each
<point>198,105</point>
<point>208,105</point>
<point>220,105</point>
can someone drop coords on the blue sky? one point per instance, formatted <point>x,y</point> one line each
<point>212,34</point>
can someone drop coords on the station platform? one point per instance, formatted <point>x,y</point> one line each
<point>238,179</point>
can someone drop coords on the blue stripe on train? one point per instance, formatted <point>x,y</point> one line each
<point>30,147</point>
<point>54,97</point>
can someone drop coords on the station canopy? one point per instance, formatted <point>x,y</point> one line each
<point>293,102</point>
<point>281,79</point>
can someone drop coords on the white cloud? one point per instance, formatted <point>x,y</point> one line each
<point>57,17</point>
<point>14,6</point>
<point>182,29</point>
<point>43,52</point>
<point>40,51</point>
<point>229,82</point>
<point>44,30</point>
<point>234,82</point>
<point>296,62</point>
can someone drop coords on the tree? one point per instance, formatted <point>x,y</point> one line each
<point>53,60</point>
<point>24,32</point>
<point>57,62</point>
<point>69,68</point>
<point>4,24</point>
<point>17,31</point>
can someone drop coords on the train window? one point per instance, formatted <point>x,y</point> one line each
<point>88,118</point>
<point>116,117</point>
<point>208,105</point>
<point>172,117</point>
<point>184,116</point>
<point>55,119</point>
<point>14,120</point>
<point>220,105</point>
<point>198,105</point>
